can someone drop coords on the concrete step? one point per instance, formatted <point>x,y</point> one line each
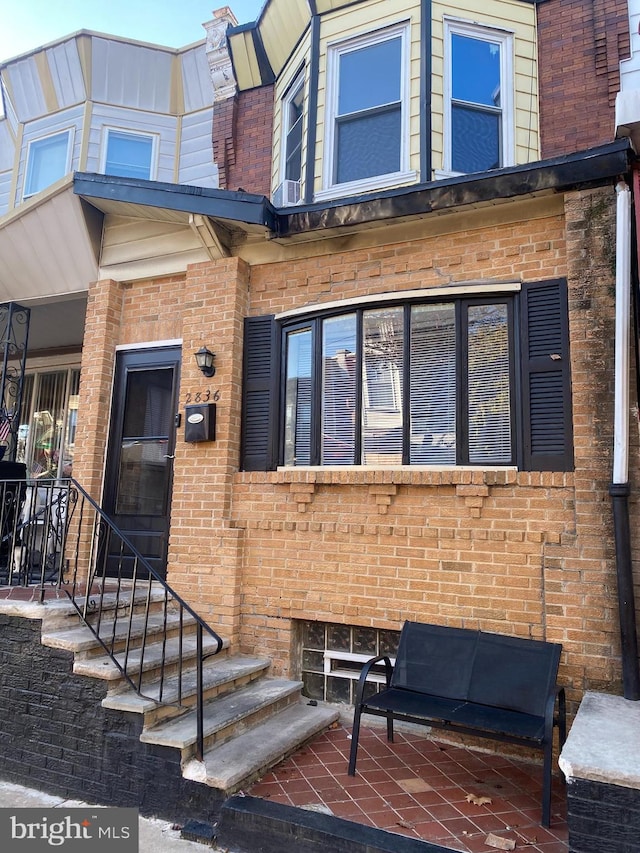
<point>80,638</point>
<point>225,716</point>
<point>219,675</point>
<point>237,762</point>
<point>103,667</point>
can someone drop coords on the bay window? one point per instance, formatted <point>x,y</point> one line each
<point>407,384</point>
<point>461,380</point>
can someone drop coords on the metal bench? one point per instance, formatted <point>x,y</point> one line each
<point>470,682</point>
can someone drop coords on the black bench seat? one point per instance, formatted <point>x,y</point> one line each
<point>470,682</point>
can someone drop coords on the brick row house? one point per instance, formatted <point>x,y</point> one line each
<point>403,249</point>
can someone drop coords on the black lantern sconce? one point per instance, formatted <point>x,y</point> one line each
<point>204,360</point>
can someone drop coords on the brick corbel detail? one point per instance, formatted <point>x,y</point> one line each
<point>302,494</point>
<point>383,495</point>
<point>473,498</point>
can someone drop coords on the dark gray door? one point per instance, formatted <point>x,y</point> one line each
<point>139,470</point>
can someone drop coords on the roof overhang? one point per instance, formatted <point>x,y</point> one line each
<point>594,167</point>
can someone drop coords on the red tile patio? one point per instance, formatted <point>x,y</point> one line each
<point>424,789</point>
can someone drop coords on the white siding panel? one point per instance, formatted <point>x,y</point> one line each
<point>196,80</point>
<point>7,146</point>
<point>131,75</point>
<point>65,120</point>
<point>28,95</point>
<point>66,72</point>
<point>5,189</point>
<point>134,120</point>
<point>196,154</point>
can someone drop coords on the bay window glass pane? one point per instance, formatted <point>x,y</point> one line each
<point>475,70</point>
<point>47,162</point>
<point>338,390</point>
<point>475,139</point>
<point>370,76</point>
<point>293,140</point>
<point>128,155</point>
<point>488,385</point>
<point>297,420</point>
<point>433,385</point>
<point>382,366</point>
<point>368,145</point>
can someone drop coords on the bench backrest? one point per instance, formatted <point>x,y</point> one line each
<point>492,669</point>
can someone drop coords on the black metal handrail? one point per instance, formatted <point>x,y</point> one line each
<point>52,533</point>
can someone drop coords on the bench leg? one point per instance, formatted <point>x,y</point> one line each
<point>355,735</point>
<point>390,727</point>
<point>546,785</point>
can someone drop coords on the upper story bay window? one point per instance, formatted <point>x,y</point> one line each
<point>366,124</point>
<point>48,160</point>
<point>479,99</point>
<point>129,155</point>
<point>460,380</point>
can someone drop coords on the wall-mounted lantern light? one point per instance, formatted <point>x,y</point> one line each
<point>204,360</point>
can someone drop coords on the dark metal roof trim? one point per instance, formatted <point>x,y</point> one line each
<point>219,204</point>
<point>582,169</point>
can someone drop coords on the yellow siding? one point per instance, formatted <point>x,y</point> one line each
<point>281,27</point>
<point>246,63</point>
<point>518,18</point>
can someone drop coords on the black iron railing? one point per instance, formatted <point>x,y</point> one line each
<point>53,534</point>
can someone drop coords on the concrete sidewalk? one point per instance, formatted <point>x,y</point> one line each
<point>156,836</point>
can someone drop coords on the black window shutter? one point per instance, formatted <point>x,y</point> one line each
<point>259,397</point>
<point>546,379</point>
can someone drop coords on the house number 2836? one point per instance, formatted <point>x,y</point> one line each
<point>202,396</point>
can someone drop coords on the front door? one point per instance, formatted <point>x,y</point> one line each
<point>140,455</point>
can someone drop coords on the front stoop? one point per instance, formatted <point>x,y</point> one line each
<point>251,721</point>
<point>249,825</point>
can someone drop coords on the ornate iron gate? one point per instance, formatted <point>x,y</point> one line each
<point>14,336</point>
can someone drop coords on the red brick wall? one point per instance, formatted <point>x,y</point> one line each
<point>242,138</point>
<point>580,45</point>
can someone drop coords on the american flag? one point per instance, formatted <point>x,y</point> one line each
<point>5,426</point>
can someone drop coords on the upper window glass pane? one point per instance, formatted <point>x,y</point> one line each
<point>370,76</point>
<point>293,133</point>
<point>128,155</point>
<point>47,162</point>
<point>475,70</point>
